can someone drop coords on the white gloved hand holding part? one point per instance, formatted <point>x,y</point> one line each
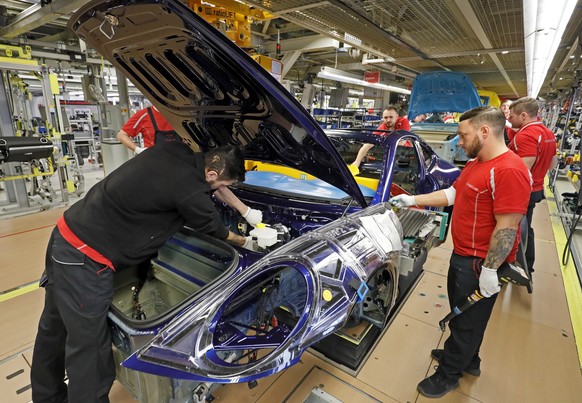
<point>250,244</point>
<point>488,282</point>
<point>139,150</point>
<point>402,201</point>
<point>253,216</point>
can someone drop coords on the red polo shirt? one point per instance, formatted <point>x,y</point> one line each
<point>140,122</point>
<point>535,140</point>
<point>402,123</point>
<point>486,188</point>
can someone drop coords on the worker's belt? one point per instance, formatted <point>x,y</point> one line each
<point>81,246</point>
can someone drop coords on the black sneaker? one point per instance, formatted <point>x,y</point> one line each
<point>436,385</point>
<point>438,353</point>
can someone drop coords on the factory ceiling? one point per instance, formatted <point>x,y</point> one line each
<point>402,38</point>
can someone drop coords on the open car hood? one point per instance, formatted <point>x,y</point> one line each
<point>442,92</point>
<point>209,90</point>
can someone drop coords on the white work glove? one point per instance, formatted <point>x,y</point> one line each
<point>250,244</point>
<point>402,201</point>
<point>139,150</point>
<point>253,216</point>
<point>488,282</point>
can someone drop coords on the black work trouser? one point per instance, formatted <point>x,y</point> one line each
<point>530,251</point>
<point>461,349</point>
<point>73,333</point>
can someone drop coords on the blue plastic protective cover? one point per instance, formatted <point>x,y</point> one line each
<point>442,92</point>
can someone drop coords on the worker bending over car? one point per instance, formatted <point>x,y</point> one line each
<point>122,220</point>
<point>154,127</point>
<point>490,197</point>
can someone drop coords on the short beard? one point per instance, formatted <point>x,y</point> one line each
<point>475,148</point>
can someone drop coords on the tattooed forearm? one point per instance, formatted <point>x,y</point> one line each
<point>500,245</point>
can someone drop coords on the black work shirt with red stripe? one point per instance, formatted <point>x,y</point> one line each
<point>129,215</point>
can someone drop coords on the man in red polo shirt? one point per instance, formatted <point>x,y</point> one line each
<point>391,121</point>
<point>148,122</point>
<point>490,198</point>
<point>536,145</point>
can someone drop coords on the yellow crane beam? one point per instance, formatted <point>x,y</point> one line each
<point>230,17</point>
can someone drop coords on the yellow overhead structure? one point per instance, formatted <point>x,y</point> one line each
<point>16,55</point>
<point>16,51</point>
<point>273,66</point>
<point>230,17</point>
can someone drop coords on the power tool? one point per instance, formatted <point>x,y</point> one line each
<point>507,273</point>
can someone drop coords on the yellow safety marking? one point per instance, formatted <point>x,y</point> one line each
<point>569,274</point>
<point>15,292</point>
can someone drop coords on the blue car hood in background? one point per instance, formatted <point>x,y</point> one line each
<point>209,90</point>
<point>442,92</point>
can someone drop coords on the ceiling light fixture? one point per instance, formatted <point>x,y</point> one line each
<point>343,77</point>
<point>544,23</point>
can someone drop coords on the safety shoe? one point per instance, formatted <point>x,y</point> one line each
<point>436,385</point>
<point>438,353</point>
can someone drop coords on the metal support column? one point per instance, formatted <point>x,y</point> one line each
<point>15,189</point>
<point>123,94</point>
<point>53,104</point>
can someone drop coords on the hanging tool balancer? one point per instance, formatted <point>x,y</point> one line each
<point>507,273</point>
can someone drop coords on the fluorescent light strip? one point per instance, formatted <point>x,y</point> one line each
<point>338,75</point>
<point>544,24</point>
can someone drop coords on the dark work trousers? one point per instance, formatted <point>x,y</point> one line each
<point>530,251</point>
<point>467,329</point>
<point>73,333</point>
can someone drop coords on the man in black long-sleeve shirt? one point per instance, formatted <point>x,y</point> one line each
<point>122,221</point>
